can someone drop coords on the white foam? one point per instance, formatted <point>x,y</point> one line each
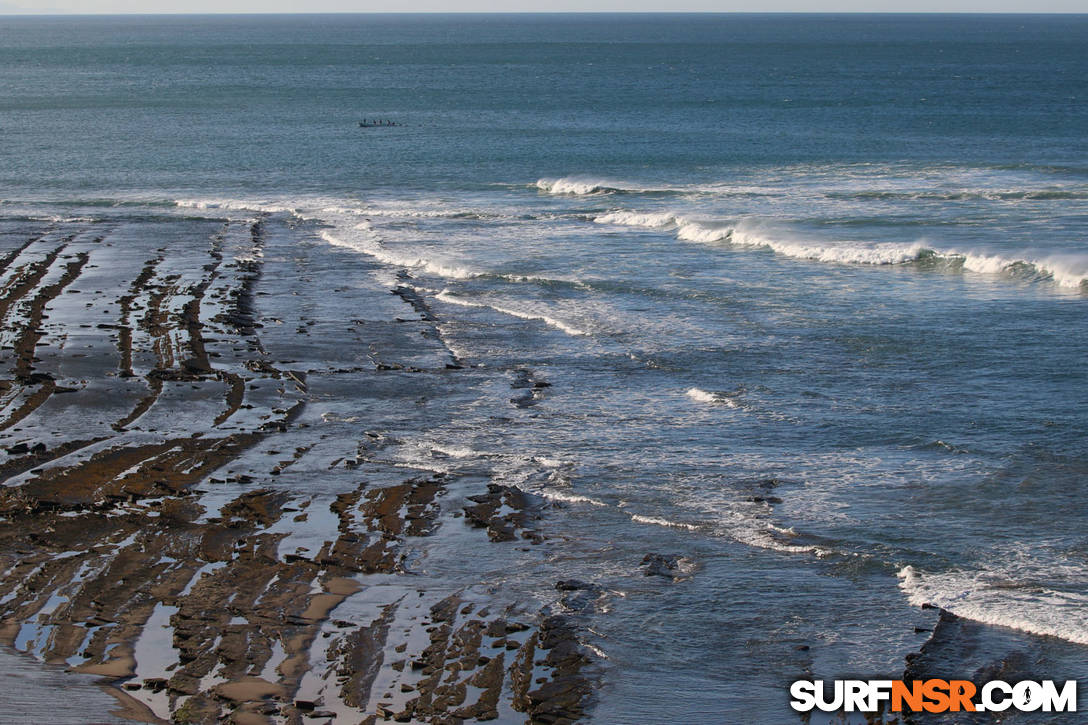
<point>445,296</point>
<point>588,184</point>
<point>445,334</point>
<point>1066,270</point>
<point>640,519</point>
<point>268,207</point>
<point>415,212</point>
<point>349,231</point>
<point>320,208</point>
<point>366,242</point>
<point>577,185</point>
<point>706,233</point>
<point>844,252</point>
<point>534,279</point>
<point>649,220</point>
<point>459,452</point>
<point>59,219</point>
<point>703,396</point>
<point>762,538</point>
<point>836,252</point>
<point>999,600</point>
<point>549,462</point>
<point>569,498</point>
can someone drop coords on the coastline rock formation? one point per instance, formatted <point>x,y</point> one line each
<point>192,509</point>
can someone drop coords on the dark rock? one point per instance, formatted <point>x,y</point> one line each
<point>665,565</point>
<point>573,585</point>
<point>155,684</point>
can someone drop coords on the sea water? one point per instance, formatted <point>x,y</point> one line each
<point>811,291</point>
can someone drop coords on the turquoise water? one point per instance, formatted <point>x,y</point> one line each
<point>810,290</point>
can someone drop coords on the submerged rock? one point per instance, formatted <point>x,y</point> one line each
<point>670,566</point>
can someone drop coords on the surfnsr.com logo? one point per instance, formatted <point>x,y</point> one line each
<point>933,696</point>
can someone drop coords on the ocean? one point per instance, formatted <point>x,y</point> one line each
<point>809,294</point>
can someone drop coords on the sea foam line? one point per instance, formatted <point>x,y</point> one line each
<point>592,185</point>
<point>372,247</point>
<point>568,497</point>
<point>1069,270</point>
<point>975,596</point>
<point>445,296</point>
<point>639,518</point>
<point>762,538</point>
<point>235,205</point>
<point>351,233</point>
<point>650,220</point>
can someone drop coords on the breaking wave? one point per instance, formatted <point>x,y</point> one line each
<point>1001,601</point>
<point>561,497</point>
<point>773,538</point>
<point>588,185</point>
<point>1065,270</point>
<point>703,396</point>
<point>445,296</point>
<point>411,212</point>
<point>636,219</point>
<point>373,248</point>
<point>578,186</point>
<point>235,205</point>
<point>657,521</point>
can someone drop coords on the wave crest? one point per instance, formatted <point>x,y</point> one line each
<point>702,396</point>
<point>1001,601</point>
<point>577,186</point>
<point>658,521</point>
<point>235,205</point>
<point>1065,270</point>
<point>370,246</point>
<point>446,296</point>
<point>636,219</point>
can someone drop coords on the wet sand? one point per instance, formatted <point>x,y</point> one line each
<point>192,509</point>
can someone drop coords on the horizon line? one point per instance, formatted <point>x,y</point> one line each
<point>1019,13</point>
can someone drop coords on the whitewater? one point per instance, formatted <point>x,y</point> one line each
<point>778,321</point>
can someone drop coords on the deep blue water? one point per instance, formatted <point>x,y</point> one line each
<point>846,254</point>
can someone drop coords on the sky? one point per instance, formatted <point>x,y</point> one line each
<point>351,6</point>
